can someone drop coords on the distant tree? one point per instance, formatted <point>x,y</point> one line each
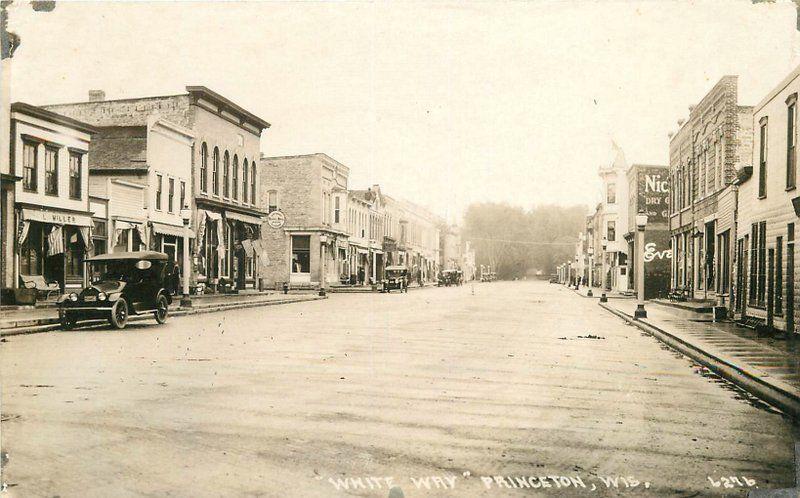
<point>513,241</point>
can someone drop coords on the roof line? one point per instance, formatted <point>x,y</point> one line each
<point>53,117</point>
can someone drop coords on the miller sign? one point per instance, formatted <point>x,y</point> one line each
<point>276,219</point>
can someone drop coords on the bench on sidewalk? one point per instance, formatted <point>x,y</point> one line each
<point>41,285</point>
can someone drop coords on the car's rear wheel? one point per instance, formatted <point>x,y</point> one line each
<point>119,314</point>
<point>162,309</point>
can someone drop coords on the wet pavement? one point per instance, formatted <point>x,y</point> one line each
<point>493,389</point>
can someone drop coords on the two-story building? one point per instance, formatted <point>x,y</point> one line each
<point>308,245</point>
<point>51,210</point>
<point>222,191</point>
<point>768,209</point>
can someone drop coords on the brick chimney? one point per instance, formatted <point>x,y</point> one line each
<point>97,95</point>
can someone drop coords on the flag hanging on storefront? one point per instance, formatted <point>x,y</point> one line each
<point>55,241</point>
<point>24,226</point>
<point>86,235</point>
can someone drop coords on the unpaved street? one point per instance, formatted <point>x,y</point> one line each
<point>516,379</point>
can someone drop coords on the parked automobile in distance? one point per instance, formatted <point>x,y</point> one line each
<point>395,278</point>
<point>121,284</point>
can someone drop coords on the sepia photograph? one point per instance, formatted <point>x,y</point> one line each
<point>399,249</point>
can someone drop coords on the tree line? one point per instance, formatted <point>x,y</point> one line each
<point>518,242</point>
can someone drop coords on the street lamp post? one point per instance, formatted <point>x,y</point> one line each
<point>641,223</point>
<point>186,216</point>
<point>323,240</point>
<point>603,298</point>
<point>591,271</point>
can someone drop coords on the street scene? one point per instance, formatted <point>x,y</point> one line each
<point>509,379</point>
<point>398,249</point>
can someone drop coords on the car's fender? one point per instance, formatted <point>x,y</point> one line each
<point>166,293</point>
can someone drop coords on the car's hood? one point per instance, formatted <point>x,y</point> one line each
<point>108,286</point>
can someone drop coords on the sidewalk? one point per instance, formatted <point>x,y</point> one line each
<point>766,367</point>
<point>27,320</point>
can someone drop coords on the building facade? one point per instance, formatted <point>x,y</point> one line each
<point>705,154</point>
<point>51,209</point>
<point>222,190</point>
<point>612,221</point>
<point>310,246</point>
<point>648,189</point>
<point>769,206</point>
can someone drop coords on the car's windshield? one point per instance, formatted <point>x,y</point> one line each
<point>121,270</point>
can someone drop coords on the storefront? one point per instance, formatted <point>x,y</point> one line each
<point>52,245</point>
<point>169,240</point>
<point>228,250</point>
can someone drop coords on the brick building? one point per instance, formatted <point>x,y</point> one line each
<point>769,206</point>
<point>705,154</point>
<point>311,246</point>
<point>223,182</point>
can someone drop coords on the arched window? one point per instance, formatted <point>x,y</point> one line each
<point>253,183</point>
<point>204,168</point>
<point>235,178</point>
<point>226,171</point>
<point>215,172</point>
<point>244,181</point>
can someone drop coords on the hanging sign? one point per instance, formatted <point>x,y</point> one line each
<point>276,219</point>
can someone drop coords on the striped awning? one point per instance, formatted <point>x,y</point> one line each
<point>165,229</point>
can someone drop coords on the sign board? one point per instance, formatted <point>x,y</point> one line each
<point>657,263</point>
<point>652,187</point>
<point>57,217</point>
<point>276,219</point>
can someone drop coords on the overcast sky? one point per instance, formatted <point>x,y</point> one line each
<point>441,103</point>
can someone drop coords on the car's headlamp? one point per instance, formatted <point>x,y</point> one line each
<point>101,296</point>
<point>73,297</point>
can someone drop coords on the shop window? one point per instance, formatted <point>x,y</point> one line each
<point>31,253</point>
<point>50,170</point>
<point>159,188</point>
<point>235,180</point>
<point>272,202</point>
<point>215,172</point>
<point>204,168</point>
<point>171,195</point>
<point>244,181</point>
<point>226,169</point>
<point>30,166</point>
<point>100,237</point>
<point>75,174</point>
<point>74,254</point>
<point>301,254</point>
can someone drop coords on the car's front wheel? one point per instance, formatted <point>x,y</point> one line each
<point>162,309</point>
<point>119,314</point>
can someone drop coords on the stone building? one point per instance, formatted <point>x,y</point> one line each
<point>224,191</point>
<point>768,209</point>
<point>309,245</point>
<point>51,209</point>
<point>705,153</point>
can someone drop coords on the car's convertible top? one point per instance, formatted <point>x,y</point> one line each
<point>150,255</point>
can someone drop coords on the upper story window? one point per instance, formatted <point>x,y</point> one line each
<point>253,183</point>
<point>183,195</point>
<point>611,193</point>
<point>226,170</point>
<point>235,178</point>
<point>272,201</point>
<point>30,166</point>
<point>75,174</point>
<point>611,231</point>
<point>762,159</point>
<point>171,195</point>
<point>50,170</point>
<point>336,209</point>
<point>244,181</point>
<point>215,172</point>
<point>204,168</point>
<point>159,191</point>
<point>791,140</point>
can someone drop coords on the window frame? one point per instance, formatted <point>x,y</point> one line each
<point>51,151</point>
<point>763,135</point>
<point>30,182</point>
<point>235,178</point>
<point>791,142</point>
<point>159,190</point>
<point>226,171</point>
<point>170,194</point>
<point>215,172</point>
<point>75,174</point>
<point>204,168</point>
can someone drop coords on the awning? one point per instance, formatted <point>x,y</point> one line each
<point>245,218</point>
<point>213,216</point>
<point>56,217</point>
<point>165,229</point>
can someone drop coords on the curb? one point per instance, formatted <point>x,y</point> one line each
<point>786,401</point>
<point>55,325</point>
<point>597,294</point>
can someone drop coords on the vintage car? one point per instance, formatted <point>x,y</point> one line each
<point>448,278</point>
<point>395,277</point>
<point>121,284</point>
